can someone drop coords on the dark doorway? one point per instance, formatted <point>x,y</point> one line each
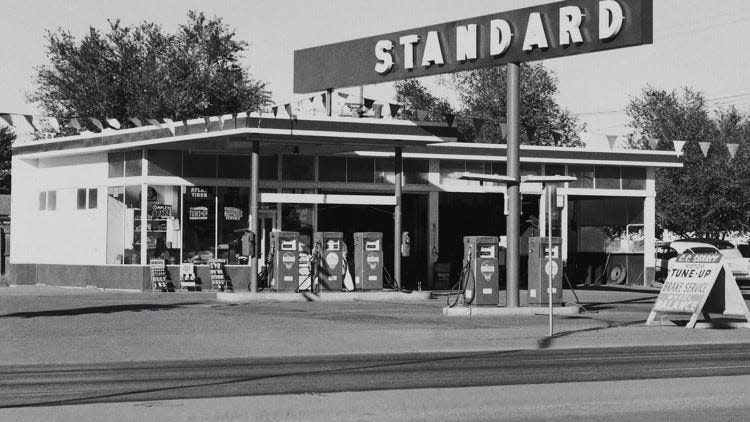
<point>350,219</point>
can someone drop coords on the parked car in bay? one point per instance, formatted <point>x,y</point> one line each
<point>667,252</point>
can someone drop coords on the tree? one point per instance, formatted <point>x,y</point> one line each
<point>707,197</point>
<point>6,140</point>
<point>141,71</point>
<point>483,94</point>
<point>415,96</point>
<point>543,120</point>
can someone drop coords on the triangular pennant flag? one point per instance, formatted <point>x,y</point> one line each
<point>154,122</point>
<point>503,130</point>
<point>170,125</point>
<point>369,102</point>
<point>394,109</point>
<point>135,121</point>
<point>653,143</point>
<point>312,98</point>
<point>733,149</point>
<point>478,124</point>
<point>449,118</point>
<point>421,114</point>
<point>705,147</point>
<point>612,139</point>
<point>7,118</point>
<point>75,124</point>
<point>678,146</point>
<point>30,120</point>
<point>377,111</point>
<point>113,123</point>
<point>324,96</point>
<point>275,110</point>
<point>94,121</point>
<point>168,120</point>
<point>288,108</point>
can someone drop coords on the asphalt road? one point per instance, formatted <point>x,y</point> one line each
<point>51,385</point>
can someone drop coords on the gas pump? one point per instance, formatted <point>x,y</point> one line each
<point>284,256</point>
<point>540,268</point>
<point>331,266</point>
<point>368,261</point>
<point>481,284</point>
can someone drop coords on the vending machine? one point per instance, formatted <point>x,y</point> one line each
<point>481,281</point>
<point>285,261</point>
<point>368,261</point>
<point>332,250</point>
<point>541,267</point>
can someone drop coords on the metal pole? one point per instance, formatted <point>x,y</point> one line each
<point>254,163</point>
<point>513,220</point>
<point>549,255</point>
<point>397,170</point>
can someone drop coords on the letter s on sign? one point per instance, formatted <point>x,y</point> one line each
<point>610,19</point>
<point>383,53</point>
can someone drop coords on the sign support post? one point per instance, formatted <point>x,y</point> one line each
<point>254,199</point>
<point>513,220</point>
<point>397,171</point>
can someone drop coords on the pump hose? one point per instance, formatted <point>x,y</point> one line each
<point>460,287</point>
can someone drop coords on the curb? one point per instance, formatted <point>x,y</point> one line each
<point>323,297</point>
<point>490,311</point>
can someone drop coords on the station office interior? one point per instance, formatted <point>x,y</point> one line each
<point>93,209</point>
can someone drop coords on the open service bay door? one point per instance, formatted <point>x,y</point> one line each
<point>699,284</point>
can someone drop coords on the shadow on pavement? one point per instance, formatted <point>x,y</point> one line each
<point>546,342</point>
<point>98,310</point>
<point>607,288</point>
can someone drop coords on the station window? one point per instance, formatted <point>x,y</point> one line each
<point>51,200</point>
<point>531,169</point>
<point>332,169</point>
<point>164,163</point>
<point>634,178</point>
<point>554,170</point>
<point>384,171</point>
<point>417,172</point>
<point>607,177</point>
<point>360,170</point>
<point>86,198</point>
<point>269,167</point>
<point>235,167</point>
<point>199,219</point>
<point>124,225</point>
<point>234,208</point>
<point>42,201</point>
<point>298,167</point>
<point>116,162</point>
<point>199,165</point>
<point>584,176</point>
<point>133,163</point>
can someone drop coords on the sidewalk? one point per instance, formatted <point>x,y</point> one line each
<point>42,325</point>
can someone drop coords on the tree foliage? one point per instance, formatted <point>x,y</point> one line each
<point>708,197</point>
<point>142,71</point>
<point>6,140</point>
<point>483,94</point>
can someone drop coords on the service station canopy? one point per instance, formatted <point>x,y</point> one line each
<point>534,33</point>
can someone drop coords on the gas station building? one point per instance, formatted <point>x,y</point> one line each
<point>94,209</point>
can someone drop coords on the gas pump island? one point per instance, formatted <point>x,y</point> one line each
<point>546,31</point>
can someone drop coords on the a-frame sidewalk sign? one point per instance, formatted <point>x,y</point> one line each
<point>699,284</point>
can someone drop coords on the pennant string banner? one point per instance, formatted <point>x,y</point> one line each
<point>733,149</point>
<point>705,147</point>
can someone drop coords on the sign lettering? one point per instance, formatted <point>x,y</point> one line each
<point>534,33</point>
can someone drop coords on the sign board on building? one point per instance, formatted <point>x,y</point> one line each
<point>533,33</point>
<point>699,284</point>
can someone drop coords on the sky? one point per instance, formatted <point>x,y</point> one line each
<point>697,44</point>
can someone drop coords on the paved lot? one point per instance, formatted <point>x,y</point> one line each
<point>44,325</point>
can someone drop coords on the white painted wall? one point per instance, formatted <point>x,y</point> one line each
<point>66,235</point>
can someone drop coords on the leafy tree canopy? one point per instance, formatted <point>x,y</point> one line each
<point>142,71</point>
<point>709,196</point>
<point>6,140</point>
<point>483,94</point>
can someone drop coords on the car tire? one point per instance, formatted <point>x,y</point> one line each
<point>617,274</point>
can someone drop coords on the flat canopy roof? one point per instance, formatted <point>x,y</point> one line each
<point>345,132</point>
<point>328,136</point>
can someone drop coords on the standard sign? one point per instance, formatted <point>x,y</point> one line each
<point>534,33</point>
<point>699,284</point>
